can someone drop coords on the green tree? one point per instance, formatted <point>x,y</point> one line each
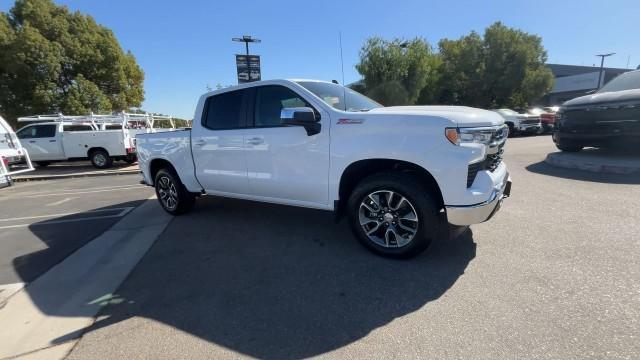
<point>398,72</point>
<point>504,68</point>
<point>53,60</point>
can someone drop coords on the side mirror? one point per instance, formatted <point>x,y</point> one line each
<point>301,116</point>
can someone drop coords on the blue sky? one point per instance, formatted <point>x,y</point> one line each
<point>183,46</point>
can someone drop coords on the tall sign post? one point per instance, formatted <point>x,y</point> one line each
<point>602,56</point>
<point>248,66</point>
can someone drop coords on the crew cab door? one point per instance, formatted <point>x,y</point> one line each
<point>283,162</point>
<point>42,142</point>
<point>218,144</point>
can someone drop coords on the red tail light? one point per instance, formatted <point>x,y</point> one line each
<point>5,161</point>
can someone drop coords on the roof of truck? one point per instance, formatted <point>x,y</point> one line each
<point>258,83</point>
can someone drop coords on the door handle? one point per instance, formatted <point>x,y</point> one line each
<point>255,141</point>
<point>32,141</point>
<point>200,142</point>
<point>52,141</point>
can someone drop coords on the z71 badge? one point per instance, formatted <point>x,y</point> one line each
<point>349,121</point>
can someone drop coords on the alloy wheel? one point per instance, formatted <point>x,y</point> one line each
<point>388,218</point>
<point>168,193</point>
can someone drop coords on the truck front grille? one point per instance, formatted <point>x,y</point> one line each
<point>491,163</point>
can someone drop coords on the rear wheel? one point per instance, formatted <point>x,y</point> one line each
<point>393,215</point>
<point>173,196</point>
<point>101,159</point>
<point>130,158</point>
<point>512,130</point>
<point>568,146</point>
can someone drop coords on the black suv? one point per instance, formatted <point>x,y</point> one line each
<point>609,117</point>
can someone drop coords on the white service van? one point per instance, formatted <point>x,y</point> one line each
<point>100,138</point>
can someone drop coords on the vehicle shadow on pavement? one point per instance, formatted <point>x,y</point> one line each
<point>62,239</point>
<point>273,281</point>
<point>543,168</point>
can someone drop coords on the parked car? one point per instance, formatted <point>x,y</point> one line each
<point>520,123</point>
<point>73,138</point>
<point>607,118</point>
<point>398,173</point>
<point>547,118</point>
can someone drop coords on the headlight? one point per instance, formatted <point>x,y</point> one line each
<point>484,136</point>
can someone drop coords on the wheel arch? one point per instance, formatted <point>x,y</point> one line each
<point>360,169</point>
<point>156,165</point>
<point>94,149</point>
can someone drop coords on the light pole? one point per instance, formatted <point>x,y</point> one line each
<point>246,39</point>
<point>602,56</point>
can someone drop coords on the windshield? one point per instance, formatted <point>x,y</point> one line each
<point>626,81</point>
<point>333,94</point>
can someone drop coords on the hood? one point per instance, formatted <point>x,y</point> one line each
<point>605,97</point>
<point>463,116</point>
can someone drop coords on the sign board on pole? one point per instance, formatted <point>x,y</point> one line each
<point>248,68</point>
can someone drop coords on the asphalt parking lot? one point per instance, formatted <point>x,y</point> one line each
<point>553,275</point>
<point>42,222</point>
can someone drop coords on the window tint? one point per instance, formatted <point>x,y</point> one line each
<point>223,111</point>
<point>270,100</point>
<point>76,128</point>
<point>113,127</point>
<point>37,131</point>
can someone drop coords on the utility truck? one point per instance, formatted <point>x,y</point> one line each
<point>14,159</point>
<point>398,173</point>
<point>99,138</point>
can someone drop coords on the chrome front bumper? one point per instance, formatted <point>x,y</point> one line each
<point>475,214</point>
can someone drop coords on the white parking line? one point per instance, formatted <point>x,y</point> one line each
<point>61,201</point>
<point>123,212</point>
<point>83,192</point>
<point>7,290</point>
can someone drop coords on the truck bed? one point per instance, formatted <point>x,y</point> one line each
<point>172,146</point>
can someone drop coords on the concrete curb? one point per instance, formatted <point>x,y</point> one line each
<point>25,178</point>
<point>46,318</point>
<point>592,164</point>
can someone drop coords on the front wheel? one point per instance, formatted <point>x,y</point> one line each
<point>393,215</point>
<point>173,196</point>
<point>100,159</point>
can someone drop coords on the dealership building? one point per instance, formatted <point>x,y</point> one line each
<point>572,81</point>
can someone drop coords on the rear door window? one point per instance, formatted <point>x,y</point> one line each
<point>77,128</point>
<point>224,111</point>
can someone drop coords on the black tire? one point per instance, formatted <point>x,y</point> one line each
<point>568,146</point>
<point>130,158</point>
<point>166,180</point>
<point>43,163</point>
<point>100,159</point>
<point>418,197</point>
<point>512,130</point>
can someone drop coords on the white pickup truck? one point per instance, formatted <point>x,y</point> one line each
<point>398,173</point>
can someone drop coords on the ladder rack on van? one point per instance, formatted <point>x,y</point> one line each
<point>125,119</point>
